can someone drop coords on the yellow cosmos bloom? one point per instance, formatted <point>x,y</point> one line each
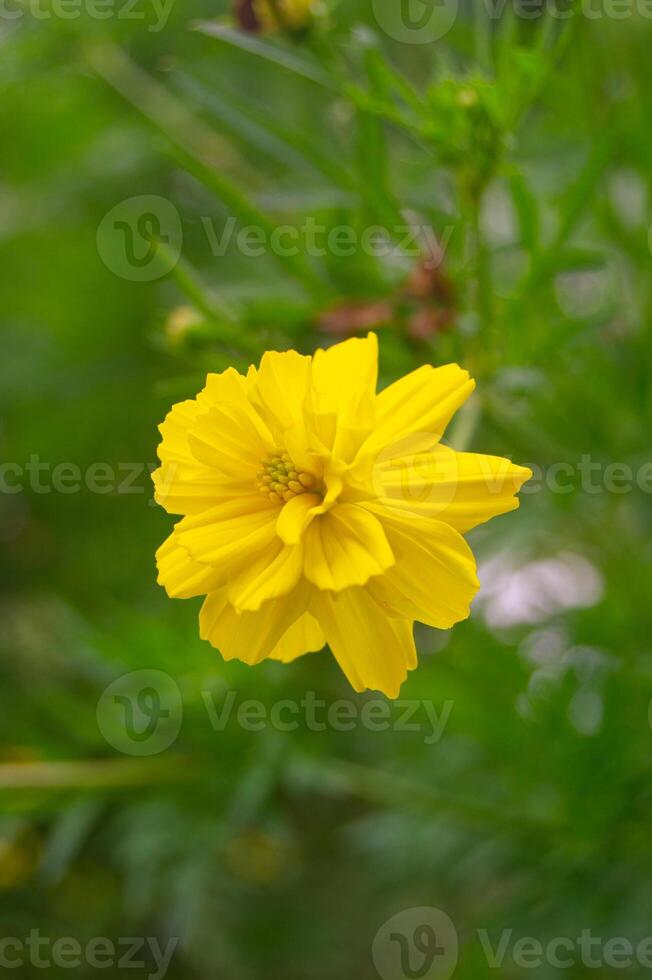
<point>318,511</point>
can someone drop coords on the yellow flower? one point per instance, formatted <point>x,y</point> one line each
<point>317,511</point>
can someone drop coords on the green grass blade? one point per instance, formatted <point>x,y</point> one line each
<point>268,50</point>
<point>194,144</point>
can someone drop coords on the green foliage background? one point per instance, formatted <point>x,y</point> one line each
<point>527,141</point>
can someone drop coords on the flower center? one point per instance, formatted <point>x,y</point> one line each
<point>280,480</point>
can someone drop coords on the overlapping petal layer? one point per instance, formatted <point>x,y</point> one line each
<point>374,650</point>
<point>434,578</point>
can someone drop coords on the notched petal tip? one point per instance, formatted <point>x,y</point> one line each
<point>521,476</point>
<point>374,651</point>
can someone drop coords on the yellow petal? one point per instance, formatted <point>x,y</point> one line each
<point>304,636</point>
<point>230,439</point>
<point>229,531</point>
<point>272,573</point>
<point>344,379</point>
<point>295,516</point>
<point>345,547</point>
<point>190,481</point>
<point>434,578</point>
<point>374,651</point>
<point>300,445</point>
<point>279,387</point>
<point>228,386</point>
<point>183,578</point>
<point>462,489</point>
<point>345,372</point>
<point>423,403</point>
<point>249,636</point>
<point>188,488</point>
<point>174,446</point>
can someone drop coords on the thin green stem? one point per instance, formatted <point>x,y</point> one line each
<point>220,313</point>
